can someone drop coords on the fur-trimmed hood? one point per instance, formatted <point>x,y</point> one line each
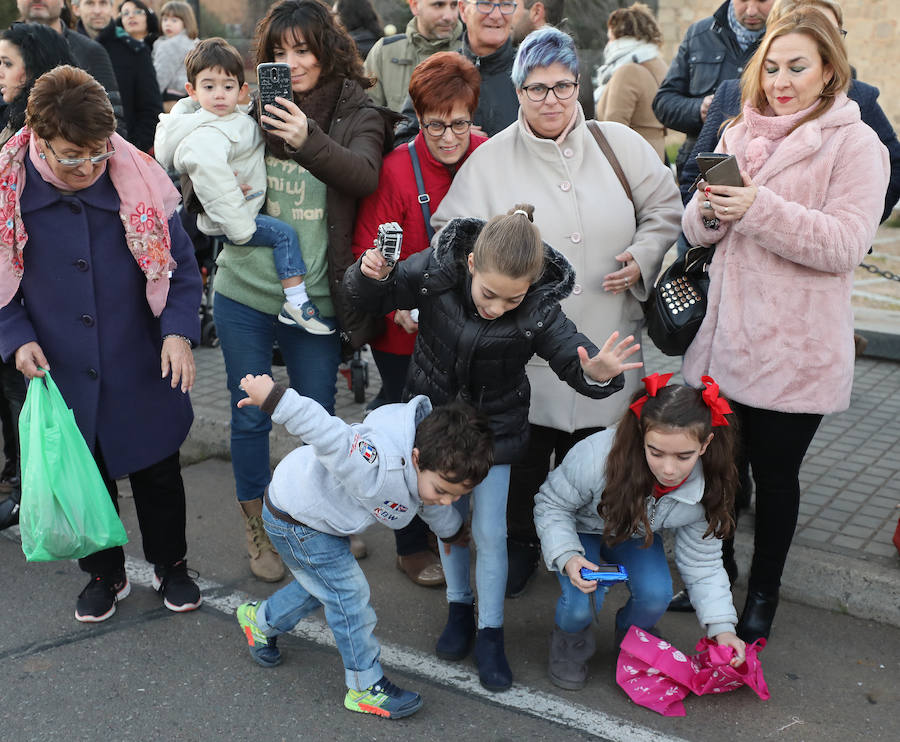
<point>457,240</point>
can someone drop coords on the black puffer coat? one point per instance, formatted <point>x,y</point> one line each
<point>459,354</point>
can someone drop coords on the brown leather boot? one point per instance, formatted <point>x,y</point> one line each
<point>265,564</point>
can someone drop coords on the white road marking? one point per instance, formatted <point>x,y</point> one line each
<point>519,698</point>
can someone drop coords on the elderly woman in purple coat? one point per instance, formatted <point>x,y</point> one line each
<point>99,284</point>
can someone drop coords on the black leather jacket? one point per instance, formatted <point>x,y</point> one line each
<point>460,355</point>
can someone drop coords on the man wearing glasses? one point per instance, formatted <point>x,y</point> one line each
<point>435,27</point>
<point>487,43</point>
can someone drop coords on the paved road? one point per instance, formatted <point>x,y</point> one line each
<point>148,674</point>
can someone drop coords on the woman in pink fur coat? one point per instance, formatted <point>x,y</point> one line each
<point>778,332</point>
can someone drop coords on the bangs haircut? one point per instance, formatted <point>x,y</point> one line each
<point>542,48</point>
<point>322,34</point>
<point>185,12</point>
<point>442,81</point>
<point>214,53</point>
<point>68,103</point>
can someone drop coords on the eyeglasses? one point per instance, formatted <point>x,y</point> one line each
<point>507,7</point>
<point>136,11</point>
<point>76,161</point>
<point>437,128</point>
<point>843,32</point>
<point>563,90</point>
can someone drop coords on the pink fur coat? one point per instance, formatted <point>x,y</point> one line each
<point>778,333</point>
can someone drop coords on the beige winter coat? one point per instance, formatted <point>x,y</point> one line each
<point>628,99</point>
<point>582,211</point>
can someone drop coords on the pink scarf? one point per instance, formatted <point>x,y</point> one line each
<point>147,199</point>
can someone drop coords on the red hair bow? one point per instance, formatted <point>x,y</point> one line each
<point>718,406</point>
<point>652,384</point>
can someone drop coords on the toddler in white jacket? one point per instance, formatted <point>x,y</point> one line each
<point>220,148</point>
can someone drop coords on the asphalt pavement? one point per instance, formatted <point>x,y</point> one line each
<point>833,664</point>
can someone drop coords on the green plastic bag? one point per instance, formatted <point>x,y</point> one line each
<point>66,511</point>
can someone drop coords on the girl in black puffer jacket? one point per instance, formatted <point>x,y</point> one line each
<point>488,299</point>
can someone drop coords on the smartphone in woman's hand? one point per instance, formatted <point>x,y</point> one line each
<point>274,81</point>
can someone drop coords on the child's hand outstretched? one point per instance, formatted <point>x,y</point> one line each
<point>610,360</point>
<point>374,265</point>
<point>573,570</point>
<point>257,389</point>
<point>730,639</point>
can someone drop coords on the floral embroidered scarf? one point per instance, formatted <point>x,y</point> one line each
<point>147,199</point>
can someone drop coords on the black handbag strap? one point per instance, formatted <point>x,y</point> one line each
<point>607,150</point>
<point>424,198</point>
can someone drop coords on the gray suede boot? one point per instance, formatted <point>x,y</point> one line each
<point>569,654</point>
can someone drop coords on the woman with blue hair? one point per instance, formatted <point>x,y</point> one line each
<point>549,157</point>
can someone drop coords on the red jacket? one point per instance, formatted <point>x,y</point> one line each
<point>396,200</point>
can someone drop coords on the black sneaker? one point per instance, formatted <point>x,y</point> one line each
<point>180,592</point>
<point>9,511</point>
<point>97,601</point>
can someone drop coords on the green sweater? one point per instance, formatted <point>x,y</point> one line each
<point>246,274</point>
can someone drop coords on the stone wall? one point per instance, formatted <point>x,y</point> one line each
<point>873,40</point>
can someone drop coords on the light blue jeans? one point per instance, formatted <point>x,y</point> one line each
<point>325,575</point>
<point>246,336</point>
<point>648,580</point>
<point>489,535</point>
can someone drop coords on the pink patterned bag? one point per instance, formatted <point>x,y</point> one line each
<point>658,676</point>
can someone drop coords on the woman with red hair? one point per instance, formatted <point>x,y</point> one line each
<point>444,91</point>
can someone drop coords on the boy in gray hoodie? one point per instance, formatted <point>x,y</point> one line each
<point>401,460</point>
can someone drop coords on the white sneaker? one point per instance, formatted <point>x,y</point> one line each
<point>306,317</point>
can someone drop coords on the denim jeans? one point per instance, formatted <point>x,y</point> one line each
<point>325,575</point>
<point>489,535</point>
<point>649,582</point>
<point>282,238</point>
<point>246,336</point>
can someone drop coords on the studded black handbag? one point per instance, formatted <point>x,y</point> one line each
<point>677,304</point>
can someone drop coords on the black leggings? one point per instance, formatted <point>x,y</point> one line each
<point>773,446</point>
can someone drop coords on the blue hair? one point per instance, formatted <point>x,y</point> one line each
<point>541,48</point>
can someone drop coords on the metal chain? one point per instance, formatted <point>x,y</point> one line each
<point>884,274</point>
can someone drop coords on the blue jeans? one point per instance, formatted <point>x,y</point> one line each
<point>649,582</point>
<point>246,336</point>
<point>282,238</point>
<point>325,575</point>
<point>489,535</point>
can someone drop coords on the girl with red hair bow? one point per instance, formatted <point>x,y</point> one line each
<point>669,463</point>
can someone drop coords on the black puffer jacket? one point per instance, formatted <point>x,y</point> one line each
<point>459,354</point>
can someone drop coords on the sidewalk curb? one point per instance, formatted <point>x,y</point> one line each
<point>821,579</point>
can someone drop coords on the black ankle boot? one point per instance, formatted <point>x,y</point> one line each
<point>756,619</point>
<point>455,642</point>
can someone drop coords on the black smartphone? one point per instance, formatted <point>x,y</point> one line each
<point>274,80</point>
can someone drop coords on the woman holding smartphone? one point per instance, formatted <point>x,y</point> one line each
<point>778,331</point>
<point>323,152</point>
